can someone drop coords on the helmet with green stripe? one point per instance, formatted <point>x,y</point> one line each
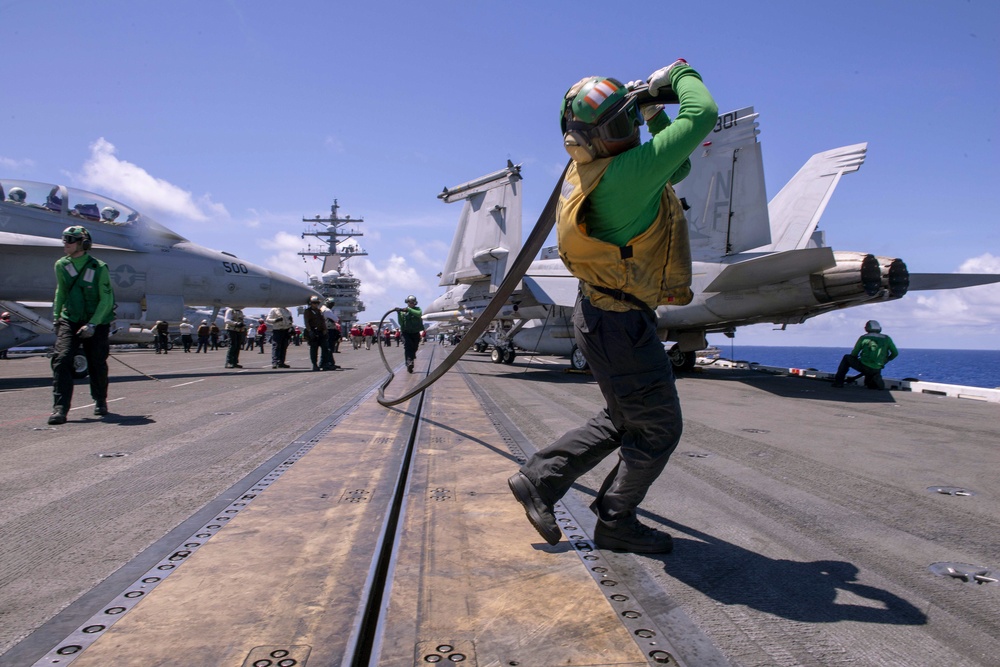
<point>599,119</point>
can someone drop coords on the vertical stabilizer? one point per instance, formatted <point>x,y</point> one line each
<point>725,194</point>
<point>489,228</point>
<point>796,210</point>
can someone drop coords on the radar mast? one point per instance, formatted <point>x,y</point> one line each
<point>334,244</point>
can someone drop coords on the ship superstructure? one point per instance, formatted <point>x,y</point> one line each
<point>335,245</point>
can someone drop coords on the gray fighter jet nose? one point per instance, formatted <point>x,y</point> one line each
<point>288,292</point>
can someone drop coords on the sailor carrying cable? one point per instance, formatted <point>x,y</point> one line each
<point>411,323</point>
<point>622,232</point>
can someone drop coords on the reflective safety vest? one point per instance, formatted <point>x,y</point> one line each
<point>83,294</point>
<point>653,269</point>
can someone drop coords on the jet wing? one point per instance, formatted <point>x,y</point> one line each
<point>773,268</point>
<point>553,290</point>
<point>933,281</point>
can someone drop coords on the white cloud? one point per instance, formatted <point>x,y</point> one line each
<point>286,259</point>
<point>971,310</point>
<point>387,275</point>
<point>10,164</point>
<point>986,263</point>
<point>967,318</point>
<point>392,276</point>
<point>105,172</point>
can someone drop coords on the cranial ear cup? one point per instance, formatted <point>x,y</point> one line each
<point>579,147</point>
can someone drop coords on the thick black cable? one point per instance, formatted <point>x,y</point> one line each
<point>529,250</point>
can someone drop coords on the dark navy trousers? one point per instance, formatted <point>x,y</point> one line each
<point>411,341</point>
<point>96,349</point>
<point>642,420</point>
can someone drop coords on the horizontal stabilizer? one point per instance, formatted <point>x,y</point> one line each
<point>553,290</point>
<point>774,268</point>
<point>796,210</point>
<point>933,281</point>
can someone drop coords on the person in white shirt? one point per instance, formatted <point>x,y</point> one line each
<point>280,321</point>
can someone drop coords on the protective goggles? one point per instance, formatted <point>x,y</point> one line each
<point>71,239</point>
<point>620,123</point>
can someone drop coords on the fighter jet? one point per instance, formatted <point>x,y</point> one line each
<point>754,261</point>
<point>155,272</point>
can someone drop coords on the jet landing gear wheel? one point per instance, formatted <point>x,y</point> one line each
<point>502,355</point>
<point>682,362</point>
<point>80,369</point>
<point>577,361</point>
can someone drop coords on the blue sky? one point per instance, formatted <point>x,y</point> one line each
<point>230,121</point>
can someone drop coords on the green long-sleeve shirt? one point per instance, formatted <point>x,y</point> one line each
<point>875,350</point>
<point>625,202</point>
<point>411,320</point>
<point>83,291</point>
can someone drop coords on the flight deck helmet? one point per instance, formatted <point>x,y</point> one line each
<point>75,234</point>
<point>411,300</point>
<point>599,119</point>
<point>871,326</point>
<point>5,316</point>
<point>329,303</point>
<point>315,299</point>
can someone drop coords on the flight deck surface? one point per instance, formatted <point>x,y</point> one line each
<point>806,520</point>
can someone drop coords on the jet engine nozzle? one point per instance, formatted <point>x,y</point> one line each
<point>897,276</point>
<point>861,277</point>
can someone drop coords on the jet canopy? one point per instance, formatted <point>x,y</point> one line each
<point>91,210</point>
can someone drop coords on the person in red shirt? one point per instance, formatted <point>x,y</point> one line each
<point>369,333</point>
<point>261,335</point>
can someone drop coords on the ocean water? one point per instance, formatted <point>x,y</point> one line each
<point>974,368</point>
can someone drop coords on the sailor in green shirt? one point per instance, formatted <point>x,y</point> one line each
<point>622,232</point>
<point>83,309</point>
<point>870,355</point>
<point>411,324</point>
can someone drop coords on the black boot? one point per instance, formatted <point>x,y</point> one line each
<point>101,408</point>
<point>630,535</point>
<point>58,416</point>
<point>538,511</point>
